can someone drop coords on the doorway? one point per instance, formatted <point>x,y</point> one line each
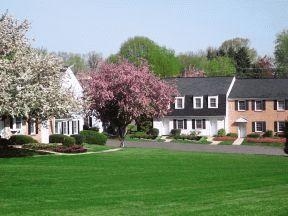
<point>241,130</point>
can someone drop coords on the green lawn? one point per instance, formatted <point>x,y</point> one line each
<point>227,142</point>
<point>95,148</point>
<point>144,182</point>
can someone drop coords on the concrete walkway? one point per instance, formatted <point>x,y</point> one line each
<point>98,152</point>
<point>237,149</point>
<point>238,141</point>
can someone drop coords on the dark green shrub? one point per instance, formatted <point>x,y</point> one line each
<point>138,135</point>
<point>131,128</point>
<point>175,132</point>
<point>21,139</point>
<point>154,132</point>
<point>232,134</point>
<point>268,133</point>
<point>221,133</point>
<point>4,143</point>
<point>61,138</point>
<point>93,137</point>
<point>85,127</point>
<point>78,139</point>
<point>254,135</point>
<point>94,129</point>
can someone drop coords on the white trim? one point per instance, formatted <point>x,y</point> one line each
<point>209,102</point>
<point>194,102</point>
<point>278,105</point>
<point>256,106</point>
<point>182,98</point>
<point>239,105</point>
<point>278,126</point>
<point>255,126</point>
<point>227,116</point>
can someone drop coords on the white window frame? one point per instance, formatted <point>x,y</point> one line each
<point>176,104</point>
<point>62,128</point>
<point>239,105</point>
<point>75,128</point>
<point>32,124</point>
<point>278,123</point>
<point>278,105</point>
<point>209,102</point>
<point>18,122</point>
<point>256,105</point>
<point>194,102</point>
<point>180,120</point>
<point>256,126</point>
<point>199,128</point>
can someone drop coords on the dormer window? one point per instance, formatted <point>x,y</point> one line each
<point>212,101</point>
<point>179,103</point>
<point>198,102</point>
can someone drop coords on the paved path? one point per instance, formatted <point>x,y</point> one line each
<point>204,147</point>
<point>238,141</point>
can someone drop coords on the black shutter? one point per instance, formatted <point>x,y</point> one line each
<point>174,124</point>
<point>275,126</point>
<point>253,104</point>
<point>264,126</point>
<point>205,102</point>
<point>68,128</point>
<point>29,127</point>
<point>90,121</point>
<point>78,126</point>
<point>73,123</point>
<point>37,127</point>
<point>11,122</point>
<point>192,102</point>
<point>275,104</point>
<point>263,105</point>
<point>185,123</point>
<point>247,104</point>
<point>236,105</point>
<point>193,123</point>
<point>253,126</point>
<point>286,104</point>
<point>62,130</point>
<point>204,123</point>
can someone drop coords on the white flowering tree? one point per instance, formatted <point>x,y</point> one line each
<point>30,81</point>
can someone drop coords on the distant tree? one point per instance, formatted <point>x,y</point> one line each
<point>122,92</point>
<point>264,68</point>
<point>77,61</point>
<point>162,61</point>
<point>94,60</point>
<point>281,54</point>
<point>211,53</point>
<point>243,63</point>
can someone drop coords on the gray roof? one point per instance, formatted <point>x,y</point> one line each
<point>199,86</point>
<point>260,88</point>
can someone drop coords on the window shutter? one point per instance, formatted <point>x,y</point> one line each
<point>29,127</point>
<point>263,105</point>
<point>11,122</point>
<point>174,124</point>
<point>193,123</point>
<point>37,127</point>
<point>204,123</point>
<point>90,121</point>
<point>62,126</point>
<point>185,123</point>
<point>68,127</point>
<point>247,104</point>
<point>78,126</point>
<point>236,105</point>
<point>275,126</point>
<point>264,126</point>
<point>253,126</point>
<point>253,104</point>
<point>286,104</point>
<point>73,123</point>
<point>205,101</point>
<point>275,104</point>
<point>192,101</point>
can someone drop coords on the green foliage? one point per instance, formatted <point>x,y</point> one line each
<point>142,135</point>
<point>253,135</point>
<point>154,132</point>
<point>60,138</point>
<point>143,123</point>
<point>40,146</point>
<point>131,128</point>
<point>221,132</point>
<point>162,61</point>
<point>268,133</point>
<point>22,139</point>
<point>175,132</point>
<point>232,134</point>
<point>4,142</point>
<point>78,139</point>
<point>93,137</point>
<point>281,54</point>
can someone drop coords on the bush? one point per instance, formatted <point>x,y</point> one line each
<point>40,146</point>
<point>131,128</point>
<point>232,135</point>
<point>175,132</point>
<point>93,137</point>
<point>265,140</point>
<point>221,133</point>
<point>154,132</point>
<point>78,139</point>
<point>85,127</point>
<point>268,133</point>
<point>61,138</point>
<point>254,135</point>
<point>4,143</point>
<point>94,129</point>
<point>70,149</point>
<point>21,139</point>
<point>225,138</point>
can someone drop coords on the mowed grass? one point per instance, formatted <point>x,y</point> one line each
<point>145,182</point>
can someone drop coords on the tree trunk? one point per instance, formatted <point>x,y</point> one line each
<point>122,133</point>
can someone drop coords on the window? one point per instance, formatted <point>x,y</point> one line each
<point>212,101</point>
<point>198,124</point>
<point>258,105</point>
<point>281,105</point>
<point>18,123</point>
<point>259,127</point>
<point>64,127</point>
<point>180,124</point>
<point>198,102</point>
<point>281,126</point>
<point>179,103</point>
<point>241,105</point>
<point>74,127</point>
<point>31,127</point>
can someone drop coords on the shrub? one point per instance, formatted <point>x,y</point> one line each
<point>94,129</point>
<point>232,135</point>
<point>40,146</point>
<point>175,132</point>
<point>253,135</point>
<point>61,138</point>
<point>70,149</point>
<point>265,140</point>
<point>268,133</point>
<point>225,138</point>
<point>21,139</point>
<point>221,133</point>
<point>154,132</point>
<point>85,127</point>
<point>4,143</point>
<point>78,139</point>
<point>131,128</point>
<point>93,137</point>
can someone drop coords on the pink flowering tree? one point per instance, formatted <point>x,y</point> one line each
<point>120,93</point>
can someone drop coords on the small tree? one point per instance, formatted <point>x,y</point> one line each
<point>122,92</point>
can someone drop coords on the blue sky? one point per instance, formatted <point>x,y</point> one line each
<point>103,25</point>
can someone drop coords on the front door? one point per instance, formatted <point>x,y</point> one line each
<point>242,130</point>
<point>213,127</point>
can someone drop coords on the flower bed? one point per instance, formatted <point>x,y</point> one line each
<point>266,140</point>
<point>70,149</point>
<point>225,138</point>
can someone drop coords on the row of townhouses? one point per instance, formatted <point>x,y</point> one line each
<point>241,106</point>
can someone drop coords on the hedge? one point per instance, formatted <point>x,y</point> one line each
<point>60,138</point>
<point>21,139</point>
<point>79,139</point>
<point>93,137</point>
